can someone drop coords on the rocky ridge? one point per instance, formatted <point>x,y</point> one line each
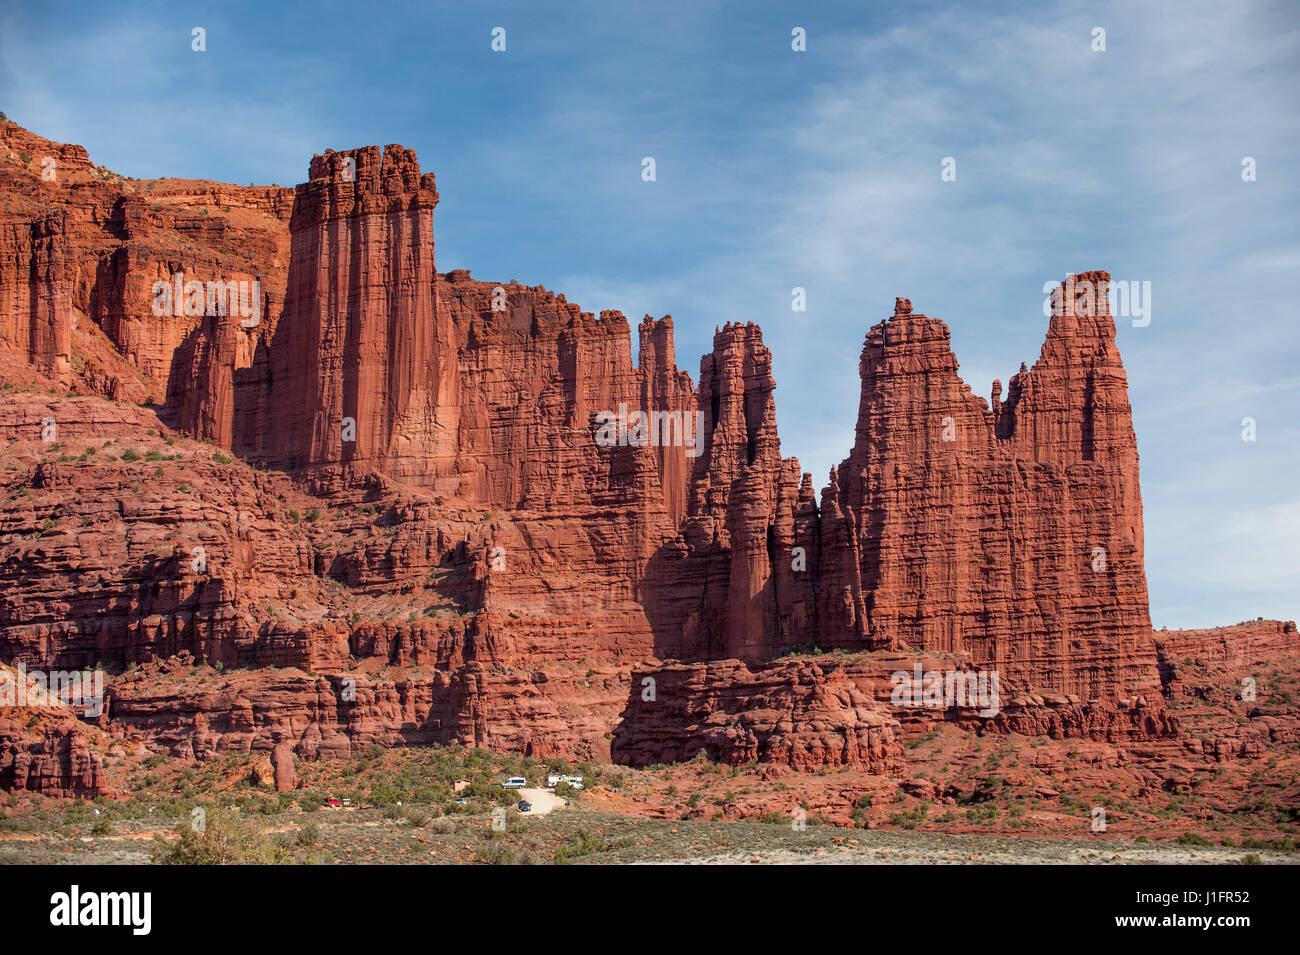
<point>399,506</point>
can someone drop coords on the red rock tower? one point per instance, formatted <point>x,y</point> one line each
<point>1012,532</point>
<point>356,367</point>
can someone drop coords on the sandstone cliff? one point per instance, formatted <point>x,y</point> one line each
<point>1012,531</point>
<point>468,499</point>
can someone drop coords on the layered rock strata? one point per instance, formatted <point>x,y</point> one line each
<point>376,465</point>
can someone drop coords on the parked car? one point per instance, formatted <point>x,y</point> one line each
<point>333,803</point>
<point>515,782</point>
<point>524,806</point>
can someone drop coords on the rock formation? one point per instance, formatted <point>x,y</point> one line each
<point>1012,531</point>
<point>795,712</point>
<point>284,444</point>
<point>44,747</point>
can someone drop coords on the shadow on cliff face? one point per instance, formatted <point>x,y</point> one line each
<point>694,616</point>
<point>172,412</point>
<point>675,594</point>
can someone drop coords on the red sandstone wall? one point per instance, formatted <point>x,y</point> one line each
<point>982,545</point>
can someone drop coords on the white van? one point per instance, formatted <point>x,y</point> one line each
<point>515,782</point>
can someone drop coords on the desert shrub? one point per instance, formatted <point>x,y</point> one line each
<point>906,820</point>
<point>566,791</point>
<point>581,843</point>
<point>500,852</point>
<point>226,839</point>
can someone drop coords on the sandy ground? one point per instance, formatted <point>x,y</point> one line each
<point>375,837</point>
<point>1012,854</point>
<point>543,801</point>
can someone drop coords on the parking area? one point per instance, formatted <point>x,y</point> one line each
<point>543,801</point>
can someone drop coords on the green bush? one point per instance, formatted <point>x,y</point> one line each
<point>906,820</point>
<point>417,818</point>
<point>226,839</point>
<point>309,834</point>
<point>581,843</point>
<point>500,852</point>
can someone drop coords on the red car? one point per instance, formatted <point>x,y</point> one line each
<point>333,803</point>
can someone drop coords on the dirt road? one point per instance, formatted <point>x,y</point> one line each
<point>543,801</point>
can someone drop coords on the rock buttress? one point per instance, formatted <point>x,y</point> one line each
<point>1012,532</point>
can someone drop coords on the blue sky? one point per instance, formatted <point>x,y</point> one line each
<point>818,169</point>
